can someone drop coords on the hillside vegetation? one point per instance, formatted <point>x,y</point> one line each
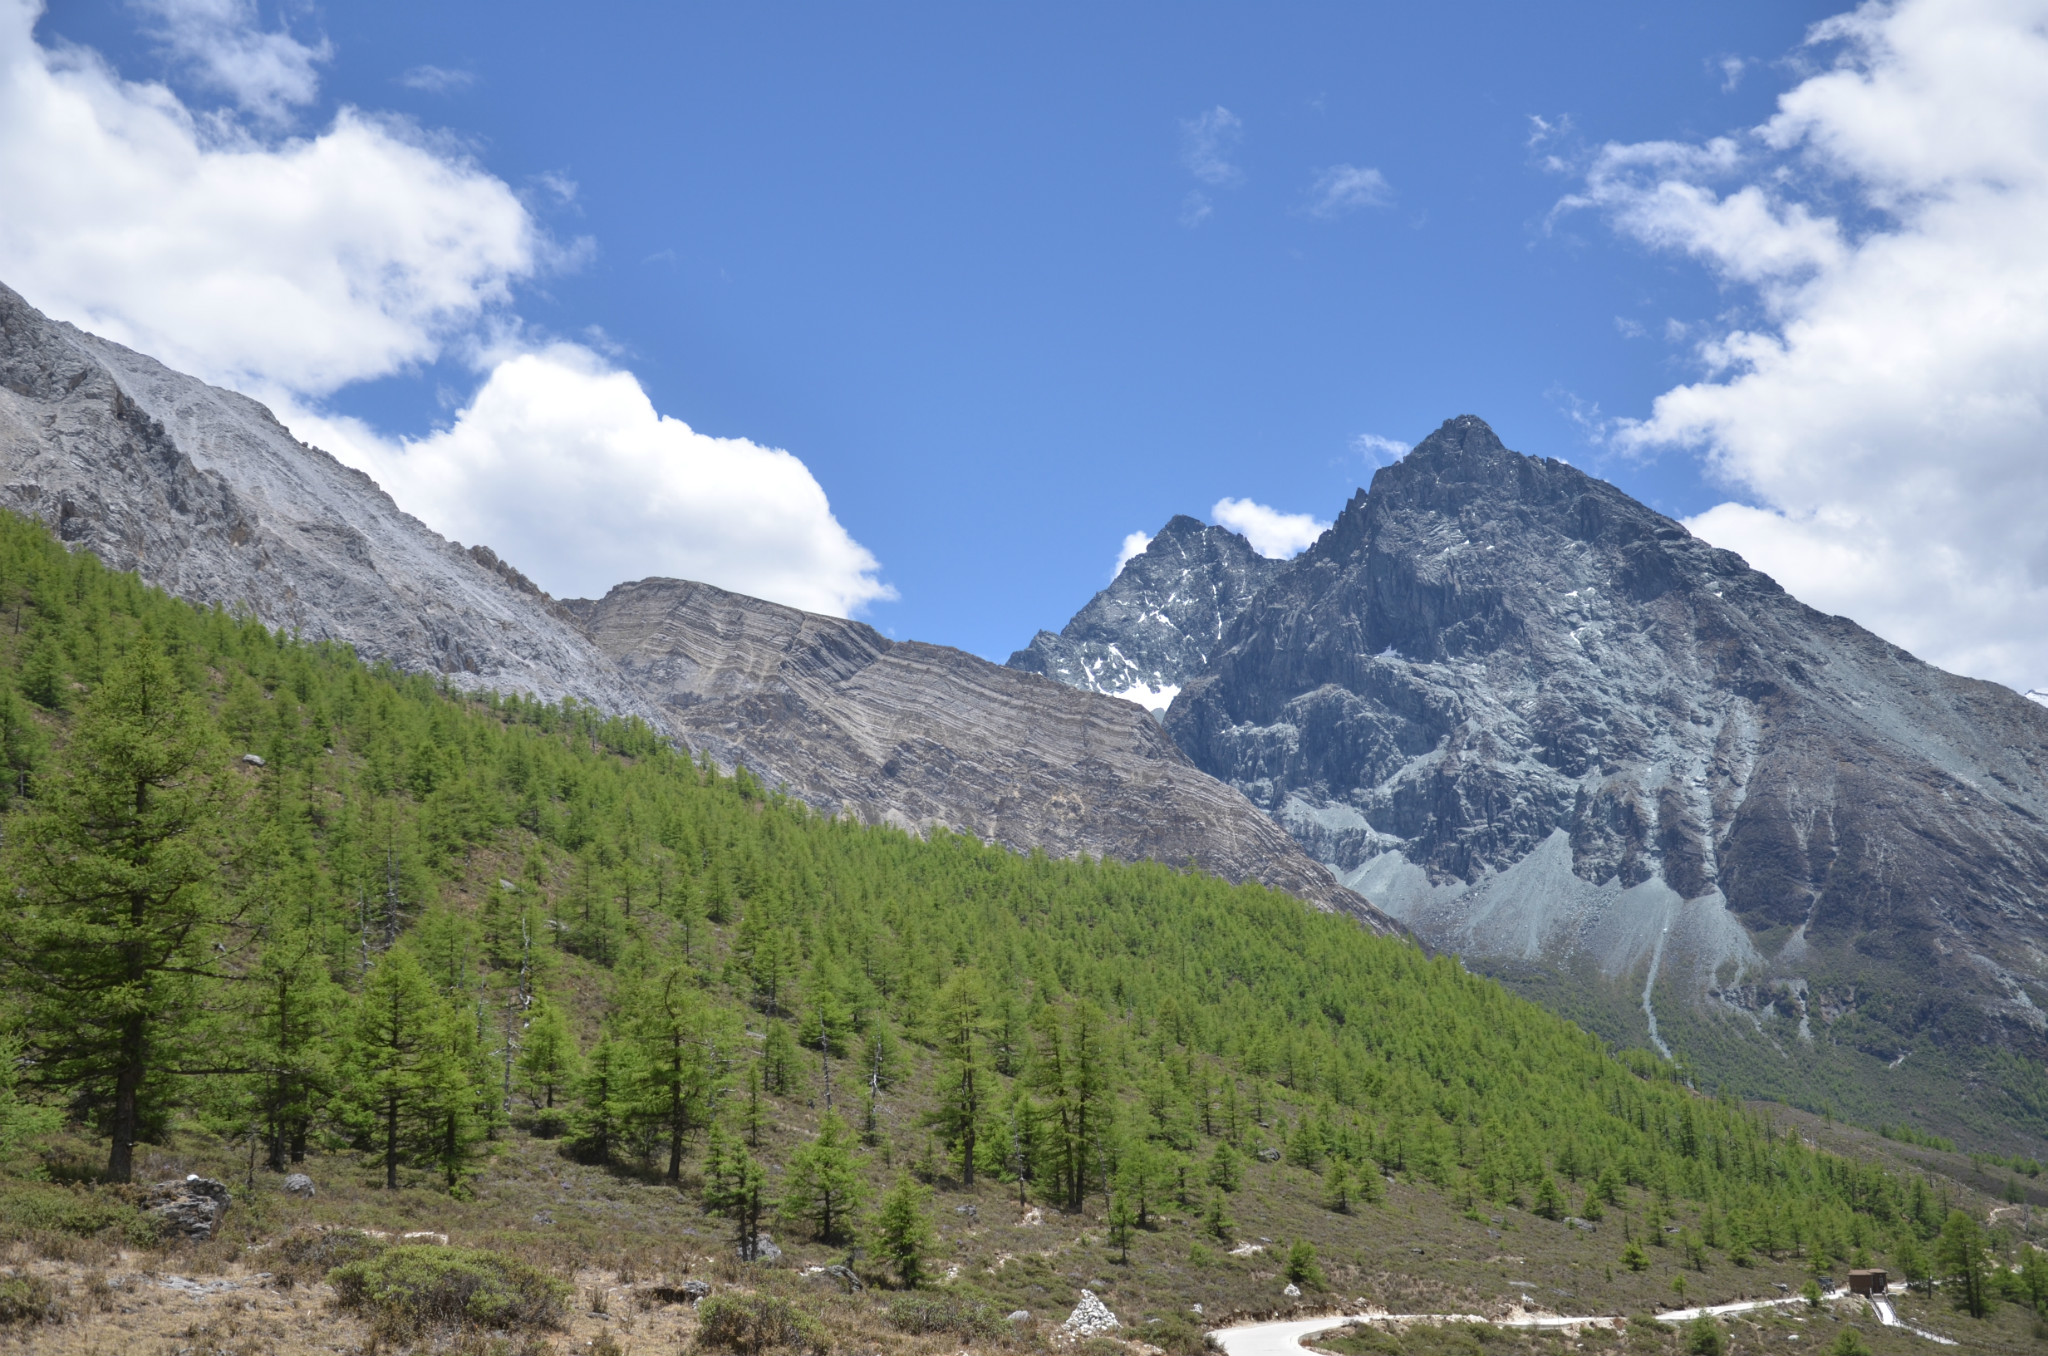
<point>269,902</point>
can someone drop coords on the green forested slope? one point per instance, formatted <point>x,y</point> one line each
<point>425,910</point>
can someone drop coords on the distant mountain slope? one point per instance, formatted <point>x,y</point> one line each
<point>205,494</point>
<point>1547,728</point>
<point>918,735</point>
<point>1540,722</point>
<point>1154,627</point>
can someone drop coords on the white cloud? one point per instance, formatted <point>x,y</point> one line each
<point>564,467</point>
<point>219,45</point>
<point>1379,450</point>
<point>1346,188</point>
<point>437,79</point>
<point>1206,143</point>
<point>1885,405</point>
<point>302,265</point>
<point>1133,547</point>
<point>1272,533</point>
<point>289,268</point>
<point>1195,209</point>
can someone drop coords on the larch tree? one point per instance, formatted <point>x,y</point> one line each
<point>401,1079</point>
<point>114,915</point>
<point>965,1083</point>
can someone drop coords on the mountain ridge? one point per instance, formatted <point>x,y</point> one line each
<point>204,493</point>
<point>1549,729</point>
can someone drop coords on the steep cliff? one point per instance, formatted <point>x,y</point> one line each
<point>1545,726</point>
<point>1156,624</point>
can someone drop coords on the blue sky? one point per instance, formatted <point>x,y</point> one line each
<point>1013,282</point>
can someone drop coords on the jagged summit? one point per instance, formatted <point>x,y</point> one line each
<point>1548,728</point>
<point>1156,624</point>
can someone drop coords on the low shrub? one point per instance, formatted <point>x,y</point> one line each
<point>84,1211</point>
<point>410,1289</point>
<point>26,1298</point>
<point>961,1315</point>
<point>758,1323</point>
<point>309,1255</point>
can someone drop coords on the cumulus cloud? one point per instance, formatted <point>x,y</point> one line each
<point>1884,402</point>
<point>563,466</point>
<point>289,267</point>
<point>220,46</point>
<point>1272,533</point>
<point>1206,144</point>
<point>299,266</point>
<point>1346,188</point>
<point>1133,547</point>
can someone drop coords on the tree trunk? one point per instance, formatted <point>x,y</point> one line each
<point>127,1099</point>
<point>391,1143</point>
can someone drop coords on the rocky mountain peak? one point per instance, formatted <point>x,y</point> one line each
<point>1157,623</point>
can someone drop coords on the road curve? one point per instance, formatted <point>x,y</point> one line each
<point>1284,1338</point>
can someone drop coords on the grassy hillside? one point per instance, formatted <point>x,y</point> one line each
<point>528,976</point>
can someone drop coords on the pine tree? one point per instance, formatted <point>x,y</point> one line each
<point>1226,1168</point>
<point>1966,1263</point>
<point>736,1185</point>
<point>549,1062</point>
<point>1550,1203</point>
<point>605,1099</point>
<point>113,915</point>
<point>902,1231</point>
<point>399,1077</point>
<point>292,1008</point>
<point>778,1060</point>
<point>822,1186</point>
<point>676,1054</point>
<point>964,1079</point>
<point>1216,1219</point>
<point>1302,1268</point>
<point>22,747</point>
<point>1122,1224</point>
<point>1339,1187</point>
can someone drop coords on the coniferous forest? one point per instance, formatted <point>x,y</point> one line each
<point>273,910</point>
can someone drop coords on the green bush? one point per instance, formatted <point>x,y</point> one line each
<point>960,1314</point>
<point>757,1323</point>
<point>309,1256</point>
<point>27,1298</point>
<point>1703,1337</point>
<point>406,1290</point>
<point>45,1207</point>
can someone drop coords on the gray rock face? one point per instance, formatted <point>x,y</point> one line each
<point>191,1209</point>
<point>1157,623</point>
<point>298,1184</point>
<point>1539,722</point>
<point>921,735</point>
<point>204,494</point>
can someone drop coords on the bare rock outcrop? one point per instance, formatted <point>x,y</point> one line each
<point>921,735</point>
<point>204,494</point>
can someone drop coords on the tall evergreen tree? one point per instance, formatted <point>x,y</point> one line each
<point>113,918</point>
<point>965,1084</point>
<point>402,1079</point>
<point>549,1062</point>
<point>678,1060</point>
<point>822,1186</point>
